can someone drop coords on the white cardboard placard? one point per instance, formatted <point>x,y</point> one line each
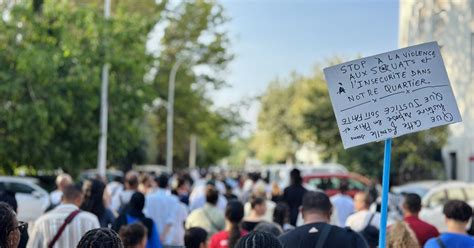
<point>391,94</point>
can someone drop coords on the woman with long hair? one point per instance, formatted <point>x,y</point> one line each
<point>401,235</point>
<point>234,213</point>
<point>134,213</point>
<point>93,191</point>
<point>10,231</point>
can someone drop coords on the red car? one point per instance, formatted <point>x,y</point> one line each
<point>329,182</point>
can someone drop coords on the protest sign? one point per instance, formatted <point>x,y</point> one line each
<point>391,94</point>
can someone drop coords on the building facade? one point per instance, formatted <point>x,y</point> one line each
<point>451,24</point>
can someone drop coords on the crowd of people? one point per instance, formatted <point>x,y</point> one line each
<point>220,211</point>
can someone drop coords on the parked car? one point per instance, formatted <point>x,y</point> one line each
<point>281,173</point>
<point>435,194</point>
<point>93,173</point>
<point>330,182</point>
<point>32,199</point>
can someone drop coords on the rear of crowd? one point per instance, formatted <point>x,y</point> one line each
<point>198,210</point>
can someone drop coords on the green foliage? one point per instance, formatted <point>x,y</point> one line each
<point>50,74</point>
<point>300,111</point>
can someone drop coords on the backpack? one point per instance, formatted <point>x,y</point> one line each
<point>370,233</point>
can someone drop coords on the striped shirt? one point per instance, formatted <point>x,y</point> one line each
<point>47,226</point>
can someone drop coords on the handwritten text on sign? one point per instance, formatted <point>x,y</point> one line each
<point>391,94</point>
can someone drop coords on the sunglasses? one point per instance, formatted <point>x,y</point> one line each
<point>22,226</point>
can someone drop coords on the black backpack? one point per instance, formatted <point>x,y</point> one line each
<point>370,233</point>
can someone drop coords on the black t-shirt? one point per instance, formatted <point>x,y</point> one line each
<point>293,196</point>
<point>249,225</point>
<point>306,237</point>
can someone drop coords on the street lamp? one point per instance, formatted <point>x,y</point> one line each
<point>102,154</point>
<point>169,117</point>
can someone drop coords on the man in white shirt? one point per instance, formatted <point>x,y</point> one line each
<point>121,198</point>
<point>48,225</point>
<point>343,204</point>
<point>162,208</point>
<point>359,220</point>
<point>62,181</point>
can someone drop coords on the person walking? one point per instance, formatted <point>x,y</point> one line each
<point>134,235</point>
<point>64,225</point>
<point>363,216</point>
<point>411,208</point>
<point>195,237</point>
<point>94,202</point>
<point>343,204</point>
<point>62,180</point>
<point>457,215</point>
<point>400,235</point>
<point>161,207</point>
<point>100,238</point>
<point>234,213</point>
<point>259,240</point>
<point>121,198</point>
<point>208,217</point>
<point>257,213</point>
<point>10,231</point>
<point>293,195</point>
<point>134,213</point>
<point>316,231</point>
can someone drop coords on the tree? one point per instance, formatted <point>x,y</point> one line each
<point>195,35</point>
<point>50,74</point>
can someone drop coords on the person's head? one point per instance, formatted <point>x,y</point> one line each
<point>401,235</point>
<point>316,204</point>
<point>9,233</point>
<point>9,198</point>
<point>72,194</point>
<point>100,238</point>
<point>411,204</point>
<point>62,180</point>
<point>457,212</point>
<point>212,195</point>
<point>137,202</point>
<point>295,176</point>
<point>362,201</point>
<point>234,213</point>
<point>260,189</point>
<point>269,227</point>
<point>281,213</point>
<point>258,239</point>
<point>131,180</point>
<point>343,187</point>
<point>162,181</point>
<point>93,197</point>
<point>258,205</point>
<point>133,235</point>
<point>195,237</point>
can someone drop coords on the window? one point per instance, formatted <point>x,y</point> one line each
<point>324,183</point>
<point>456,194</point>
<point>356,185</point>
<point>469,193</point>
<point>20,188</point>
<point>437,199</point>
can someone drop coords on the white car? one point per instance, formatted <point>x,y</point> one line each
<point>435,194</point>
<point>32,199</point>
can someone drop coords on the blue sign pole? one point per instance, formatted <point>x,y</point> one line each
<point>385,188</point>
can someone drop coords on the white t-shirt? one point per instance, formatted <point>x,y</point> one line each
<point>177,230</point>
<point>161,207</point>
<point>359,220</point>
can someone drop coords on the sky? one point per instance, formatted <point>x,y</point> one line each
<point>272,38</point>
